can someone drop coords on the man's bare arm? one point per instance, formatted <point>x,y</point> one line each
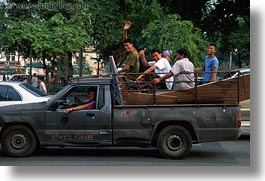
<point>126,28</point>
<point>214,74</point>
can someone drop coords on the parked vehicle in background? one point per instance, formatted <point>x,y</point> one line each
<point>19,93</point>
<point>234,73</point>
<point>241,71</point>
<point>18,77</point>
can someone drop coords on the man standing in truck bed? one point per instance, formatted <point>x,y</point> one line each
<point>210,66</point>
<point>132,63</point>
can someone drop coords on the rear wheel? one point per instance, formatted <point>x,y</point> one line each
<point>174,142</point>
<point>18,141</point>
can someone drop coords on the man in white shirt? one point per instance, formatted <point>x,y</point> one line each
<point>34,80</point>
<point>42,85</point>
<point>183,70</point>
<point>161,68</point>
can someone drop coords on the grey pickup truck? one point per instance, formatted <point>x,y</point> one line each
<point>119,119</point>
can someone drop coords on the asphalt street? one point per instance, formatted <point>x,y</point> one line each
<point>225,153</point>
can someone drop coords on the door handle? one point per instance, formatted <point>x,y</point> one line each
<point>91,115</point>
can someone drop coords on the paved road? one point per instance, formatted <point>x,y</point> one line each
<point>235,153</point>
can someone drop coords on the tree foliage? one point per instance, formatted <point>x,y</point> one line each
<point>187,9</point>
<point>140,13</point>
<point>106,22</point>
<point>51,34</point>
<point>226,20</point>
<point>173,33</point>
<point>239,43</point>
<point>55,34</point>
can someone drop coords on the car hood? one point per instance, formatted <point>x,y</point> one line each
<point>46,98</point>
<point>38,100</point>
<point>24,107</point>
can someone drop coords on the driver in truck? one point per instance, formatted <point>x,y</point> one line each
<point>88,104</point>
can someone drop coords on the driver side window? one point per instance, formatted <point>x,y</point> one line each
<point>78,95</point>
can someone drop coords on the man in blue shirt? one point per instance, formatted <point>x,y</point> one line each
<point>210,66</point>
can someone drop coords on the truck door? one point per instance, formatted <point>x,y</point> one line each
<point>87,126</point>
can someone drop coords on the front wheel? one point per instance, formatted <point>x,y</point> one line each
<point>18,141</point>
<point>174,142</point>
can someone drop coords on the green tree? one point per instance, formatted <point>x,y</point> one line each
<point>53,34</point>
<point>56,33</point>
<point>106,22</point>
<point>173,33</point>
<point>228,22</point>
<point>140,13</point>
<point>239,43</point>
<point>191,10</point>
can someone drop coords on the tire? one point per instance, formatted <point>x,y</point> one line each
<point>18,141</point>
<point>174,142</point>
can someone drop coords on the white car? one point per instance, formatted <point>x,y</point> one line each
<point>234,73</point>
<point>20,93</point>
<point>242,71</point>
<point>18,77</point>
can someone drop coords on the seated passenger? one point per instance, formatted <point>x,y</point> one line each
<point>183,70</point>
<point>167,54</point>
<point>88,104</point>
<point>161,67</point>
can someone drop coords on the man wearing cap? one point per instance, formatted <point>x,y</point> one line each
<point>167,54</point>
